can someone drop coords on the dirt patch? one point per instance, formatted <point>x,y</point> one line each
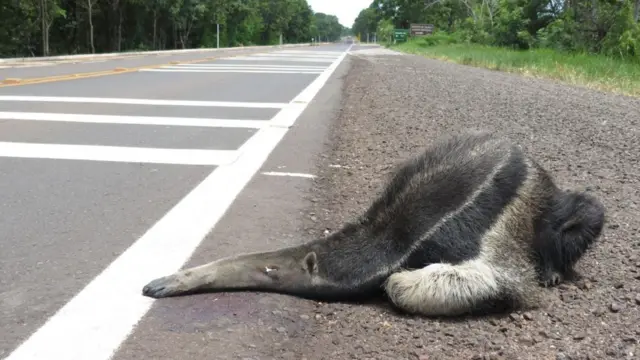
<point>395,105</point>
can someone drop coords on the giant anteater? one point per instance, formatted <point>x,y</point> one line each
<point>469,222</point>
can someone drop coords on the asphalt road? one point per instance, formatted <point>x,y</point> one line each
<point>108,182</point>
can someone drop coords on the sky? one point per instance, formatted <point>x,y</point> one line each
<point>345,10</point>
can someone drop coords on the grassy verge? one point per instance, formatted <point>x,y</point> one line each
<point>593,71</point>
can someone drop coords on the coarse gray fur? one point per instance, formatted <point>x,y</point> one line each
<point>470,223</point>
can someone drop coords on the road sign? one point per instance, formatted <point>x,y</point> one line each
<point>421,29</point>
<point>400,35</point>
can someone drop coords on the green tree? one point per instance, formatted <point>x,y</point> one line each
<point>384,31</point>
<point>53,27</point>
<point>366,22</point>
<point>597,26</point>
<point>327,27</point>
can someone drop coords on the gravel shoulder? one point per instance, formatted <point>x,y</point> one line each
<point>392,107</point>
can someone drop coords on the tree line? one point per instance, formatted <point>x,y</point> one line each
<point>608,27</point>
<point>60,27</point>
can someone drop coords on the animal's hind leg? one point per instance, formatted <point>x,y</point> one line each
<point>444,289</point>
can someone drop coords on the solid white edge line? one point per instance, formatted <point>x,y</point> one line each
<point>96,100</point>
<point>134,120</point>
<point>237,71</point>
<point>117,154</point>
<point>277,173</point>
<point>94,323</point>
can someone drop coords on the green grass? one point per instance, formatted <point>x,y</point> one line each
<point>593,71</point>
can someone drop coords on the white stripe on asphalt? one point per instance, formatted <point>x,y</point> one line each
<point>248,67</point>
<point>236,71</point>
<point>319,56</point>
<point>265,58</point>
<point>277,173</point>
<point>136,120</point>
<point>117,154</point>
<point>245,66</point>
<point>96,100</point>
<point>98,319</point>
<point>310,52</point>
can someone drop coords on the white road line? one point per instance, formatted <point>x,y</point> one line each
<point>262,66</point>
<point>246,67</point>
<point>95,100</point>
<point>320,56</point>
<point>134,120</point>
<point>235,71</point>
<point>98,319</point>
<point>265,58</point>
<point>276,173</point>
<point>117,154</point>
<point>295,52</point>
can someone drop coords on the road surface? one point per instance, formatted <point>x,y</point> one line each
<point>110,181</point>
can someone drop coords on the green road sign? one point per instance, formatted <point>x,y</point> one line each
<point>400,35</point>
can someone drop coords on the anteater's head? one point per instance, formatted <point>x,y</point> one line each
<point>578,219</point>
<point>284,268</point>
<point>290,270</point>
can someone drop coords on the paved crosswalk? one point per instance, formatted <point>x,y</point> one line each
<point>285,62</point>
<point>275,65</point>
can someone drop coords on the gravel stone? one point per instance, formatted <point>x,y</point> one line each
<point>392,107</point>
<point>579,336</point>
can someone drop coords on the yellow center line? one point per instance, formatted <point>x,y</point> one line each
<point>118,70</point>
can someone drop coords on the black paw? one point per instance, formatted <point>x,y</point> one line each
<point>551,278</point>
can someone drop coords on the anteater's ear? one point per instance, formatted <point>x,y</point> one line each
<point>310,263</point>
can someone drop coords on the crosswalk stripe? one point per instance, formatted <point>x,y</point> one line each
<point>97,100</point>
<point>117,154</point>
<point>293,59</point>
<point>244,66</point>
<point>135,120</point>
<point>247,71</point>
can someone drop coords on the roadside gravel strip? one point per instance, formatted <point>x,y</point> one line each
<point>392,107</point>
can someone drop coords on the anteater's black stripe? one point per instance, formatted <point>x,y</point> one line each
<point>460,237</point>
